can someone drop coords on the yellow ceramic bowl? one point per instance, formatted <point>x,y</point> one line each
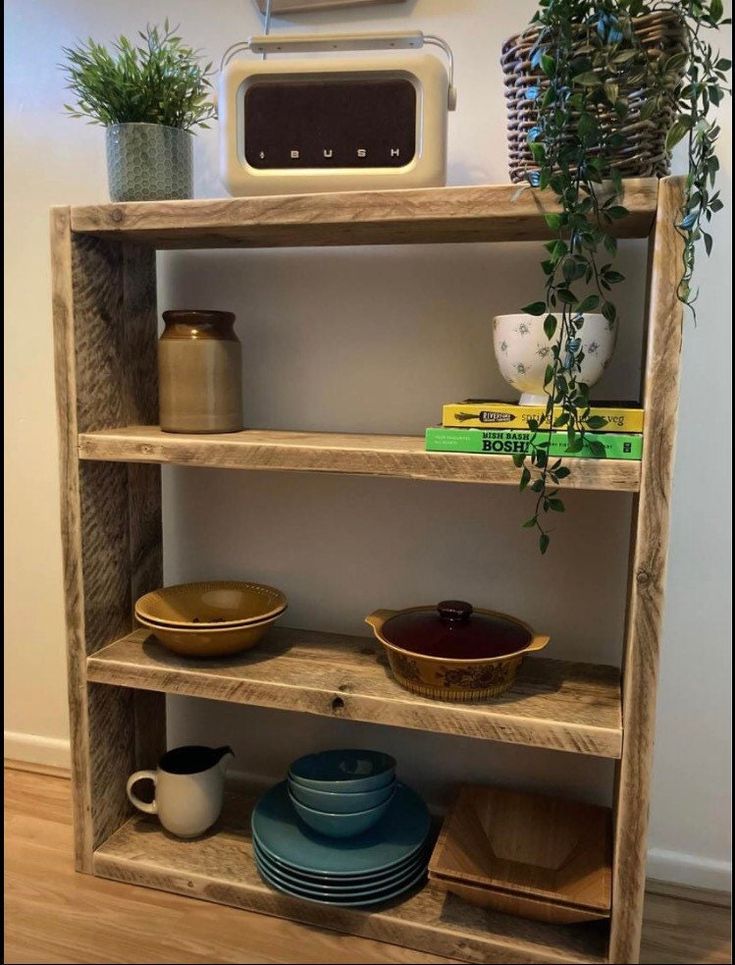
<point>211,605</point>
<point>210,643</point>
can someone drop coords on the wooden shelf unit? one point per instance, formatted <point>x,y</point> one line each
<point>105,321</point>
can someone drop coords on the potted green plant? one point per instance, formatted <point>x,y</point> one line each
<point>148,97</point>
<point>605,89</point>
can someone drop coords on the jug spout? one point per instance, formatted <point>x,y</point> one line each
<point>222,756</point>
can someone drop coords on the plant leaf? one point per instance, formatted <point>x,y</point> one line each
<point>678,130</point>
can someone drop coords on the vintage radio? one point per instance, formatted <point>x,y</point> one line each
<point>374,118</point>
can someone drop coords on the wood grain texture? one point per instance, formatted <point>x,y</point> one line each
<point>104,305</point>
<point>402,457</point>
<point>647,577</point>
<point>71,538</point>
<point>528,845</point>
<point>283,7</point>
<point>95,922</point>
<point>220,867</point>
<point>553,703</point>
<point>404,216</point>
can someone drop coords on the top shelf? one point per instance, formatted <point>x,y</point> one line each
<point>504,212</point>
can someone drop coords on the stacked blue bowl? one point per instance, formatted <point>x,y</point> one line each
<point>342,830</point>
<point>342,793</point>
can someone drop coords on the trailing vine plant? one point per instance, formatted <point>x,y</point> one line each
<point>588,52</point>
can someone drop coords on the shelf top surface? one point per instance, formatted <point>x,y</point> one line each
<point>482,213</point>
<point>337,452</point>
<point>553,703</point>
<point>221,866</point>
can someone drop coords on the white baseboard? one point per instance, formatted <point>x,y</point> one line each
<point>670,866</point>
<point>689,869</point>
<point>46,751</point>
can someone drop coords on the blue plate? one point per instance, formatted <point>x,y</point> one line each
<point>344,770</point>
<point>355,901</point>
<point>367,891</point>
<point>347,881</point>
<point>340,887</point>
<point>397,836</point>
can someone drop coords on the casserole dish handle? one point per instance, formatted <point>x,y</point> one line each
<point>378,618</point>
<point>538,643</point>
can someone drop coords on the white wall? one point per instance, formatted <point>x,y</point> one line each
<point>372,340</point>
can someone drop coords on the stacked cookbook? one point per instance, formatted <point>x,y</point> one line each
<point>496,428</point>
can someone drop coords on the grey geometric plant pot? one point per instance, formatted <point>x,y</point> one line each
<point>149,162</point>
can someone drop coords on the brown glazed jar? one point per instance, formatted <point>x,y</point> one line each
<point>199,373</point>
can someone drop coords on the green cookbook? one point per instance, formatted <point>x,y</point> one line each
<point>617,445</point>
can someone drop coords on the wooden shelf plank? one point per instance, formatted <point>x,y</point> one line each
<point>553,704</point>
<point>220,867</point>
<point>282,8</point>
<point>504,212</point>
<point>354,454</point>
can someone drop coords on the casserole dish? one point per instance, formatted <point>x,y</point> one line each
<point>452,651</point>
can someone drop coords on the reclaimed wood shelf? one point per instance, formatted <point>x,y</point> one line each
<point>501,212</point>
<point>220,867</point>
<point>111,451</point>
<point>401,457</point>
<point>554,703</point>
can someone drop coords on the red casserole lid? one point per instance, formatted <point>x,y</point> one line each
<point>453,630</point>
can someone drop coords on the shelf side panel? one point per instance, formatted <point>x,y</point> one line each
<point>104,335</point>
<point>650,534</point>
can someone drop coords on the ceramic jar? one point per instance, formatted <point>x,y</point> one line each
<point>199,373</point>
<point>523,351</point>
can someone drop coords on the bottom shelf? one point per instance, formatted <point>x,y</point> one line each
<point>220,867</point>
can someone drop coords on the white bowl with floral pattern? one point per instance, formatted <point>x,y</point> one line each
<point>523,351</point>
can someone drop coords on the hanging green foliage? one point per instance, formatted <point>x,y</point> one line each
<point>590,55</point>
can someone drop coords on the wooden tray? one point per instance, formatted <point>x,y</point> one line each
<point>509,904</point>
<point>528,845</point>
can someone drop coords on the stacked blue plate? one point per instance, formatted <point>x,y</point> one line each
<point>383,863</point>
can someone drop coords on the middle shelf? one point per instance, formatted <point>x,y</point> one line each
<point>554,704</point>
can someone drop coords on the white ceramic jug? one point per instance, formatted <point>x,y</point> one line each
<point>189,789</point>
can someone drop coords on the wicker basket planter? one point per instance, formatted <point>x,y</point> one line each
<point>644,152</point>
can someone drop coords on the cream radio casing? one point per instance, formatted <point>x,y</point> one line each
<point>376,118</point>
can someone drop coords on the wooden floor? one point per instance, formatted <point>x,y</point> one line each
<point>54,915</point>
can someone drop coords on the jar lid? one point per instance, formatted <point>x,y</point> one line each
<point>454,630</point>
<point>199,323</point>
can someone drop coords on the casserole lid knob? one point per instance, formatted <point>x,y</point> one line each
<point>454,611</point>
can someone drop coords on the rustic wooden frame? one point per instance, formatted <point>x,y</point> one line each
<point>110,452</point>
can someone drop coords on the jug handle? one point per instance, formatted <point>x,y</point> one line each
<point>151,808</point>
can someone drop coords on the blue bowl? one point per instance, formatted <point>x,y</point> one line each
<point>344,771</point>
<point>339,802</point>
<point>340,825</point>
